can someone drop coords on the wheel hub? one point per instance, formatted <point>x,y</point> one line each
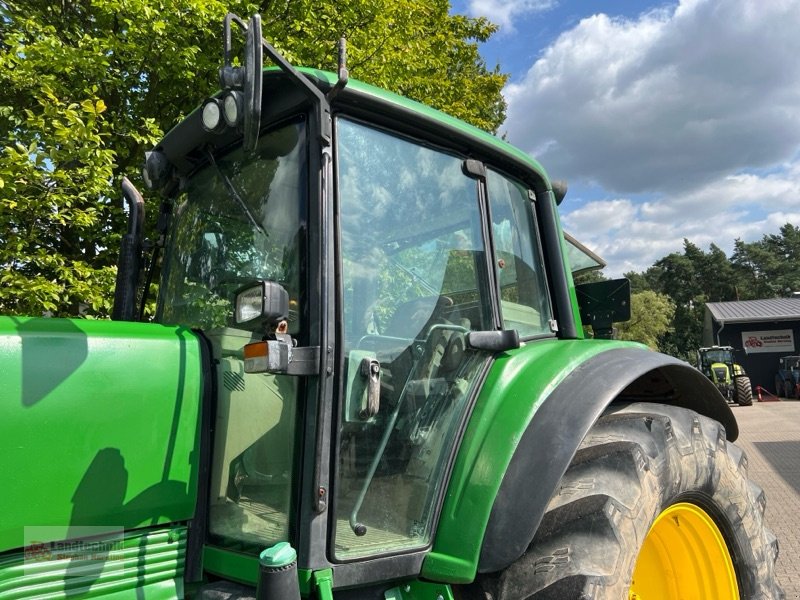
<point>684,556</point>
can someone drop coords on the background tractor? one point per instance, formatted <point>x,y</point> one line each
<point>717,363</point>
<point>787,380</point>
<point>366,377</point>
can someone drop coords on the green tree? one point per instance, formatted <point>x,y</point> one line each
<point>641,281</point>
<point>87,85</point>
<point>589,277</point>
<point>688,279</point>
<point>767,268</point>
<point>651,317</point>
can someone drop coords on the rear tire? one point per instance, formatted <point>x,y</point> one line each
<point>638,461</point>
<point>743,391</point>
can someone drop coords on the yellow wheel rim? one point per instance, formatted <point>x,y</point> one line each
<point>684,557</point>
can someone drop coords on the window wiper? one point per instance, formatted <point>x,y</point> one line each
<point>421,280</point>
<point>234,194</point>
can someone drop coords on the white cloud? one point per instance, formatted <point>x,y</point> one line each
<point>696,107</point>
<point>505,12</point>
<point>667,102</point>
<point>734,192</point>
<point>631,236</point>
<point>601,215</point>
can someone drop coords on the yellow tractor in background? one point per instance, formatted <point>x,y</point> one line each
<point>717,364</point>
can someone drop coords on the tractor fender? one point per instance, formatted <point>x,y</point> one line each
<point>549,443</point>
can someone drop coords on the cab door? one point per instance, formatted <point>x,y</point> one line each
<point>415,278</point>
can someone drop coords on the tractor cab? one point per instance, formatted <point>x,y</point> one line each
<point>717,363</point>
<point>354,260</point>
<point>366,378</point>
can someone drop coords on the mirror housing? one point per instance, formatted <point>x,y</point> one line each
<point>253,68</point>
<point>603,303</point>
<point>240,104</point>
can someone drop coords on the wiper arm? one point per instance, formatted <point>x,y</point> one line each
<point>417,277</point>
<point>234,194</point>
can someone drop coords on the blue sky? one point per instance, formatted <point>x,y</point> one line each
<point>668,120</point>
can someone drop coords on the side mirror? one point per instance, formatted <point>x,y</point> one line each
<point>603,303</point>
<point>239,106</point>
<point>253,67</point>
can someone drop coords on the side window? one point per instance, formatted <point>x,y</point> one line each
<point>415,281</point>
<point>524,301</point>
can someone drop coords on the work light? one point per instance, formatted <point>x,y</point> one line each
<point>232,104</point>
<point>212,116</point>
<point>264,302</point>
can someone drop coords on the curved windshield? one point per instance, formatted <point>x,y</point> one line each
<point>715,356</point>
<point>239,220</point>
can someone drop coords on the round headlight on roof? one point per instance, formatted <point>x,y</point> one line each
<point>212,116</point>
<point>232,105</point>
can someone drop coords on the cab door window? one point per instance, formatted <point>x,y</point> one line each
<point>415,280</point>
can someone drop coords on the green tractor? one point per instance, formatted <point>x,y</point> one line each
<point>366,378</point>
<point>717,363</point>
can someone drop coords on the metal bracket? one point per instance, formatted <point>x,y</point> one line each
<point>279,356</point>
<point>304,361</point>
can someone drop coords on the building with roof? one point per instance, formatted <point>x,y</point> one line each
<point>761,331</point>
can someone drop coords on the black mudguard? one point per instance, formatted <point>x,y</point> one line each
<point>549,444</point>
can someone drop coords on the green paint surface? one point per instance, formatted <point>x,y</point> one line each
<point>99,426</point>
<point>232,565</point>
<point>517,384</point>
<point>420,590</point>
<point>139,564</point>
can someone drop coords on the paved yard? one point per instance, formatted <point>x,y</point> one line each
<point>770,434</point>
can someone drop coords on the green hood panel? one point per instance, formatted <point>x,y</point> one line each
<point>99,422</point>
<point>140,564</point>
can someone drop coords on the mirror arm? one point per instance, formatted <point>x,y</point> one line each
<point>312,91</point>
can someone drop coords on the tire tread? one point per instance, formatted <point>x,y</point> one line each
<point>636,461</point>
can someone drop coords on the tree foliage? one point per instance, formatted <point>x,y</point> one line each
<point>766,268</point>
<point>86,86</point>
<point>651,318</point>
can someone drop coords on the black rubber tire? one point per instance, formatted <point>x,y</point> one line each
<point>743,391</point>
<point>638,460</point>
